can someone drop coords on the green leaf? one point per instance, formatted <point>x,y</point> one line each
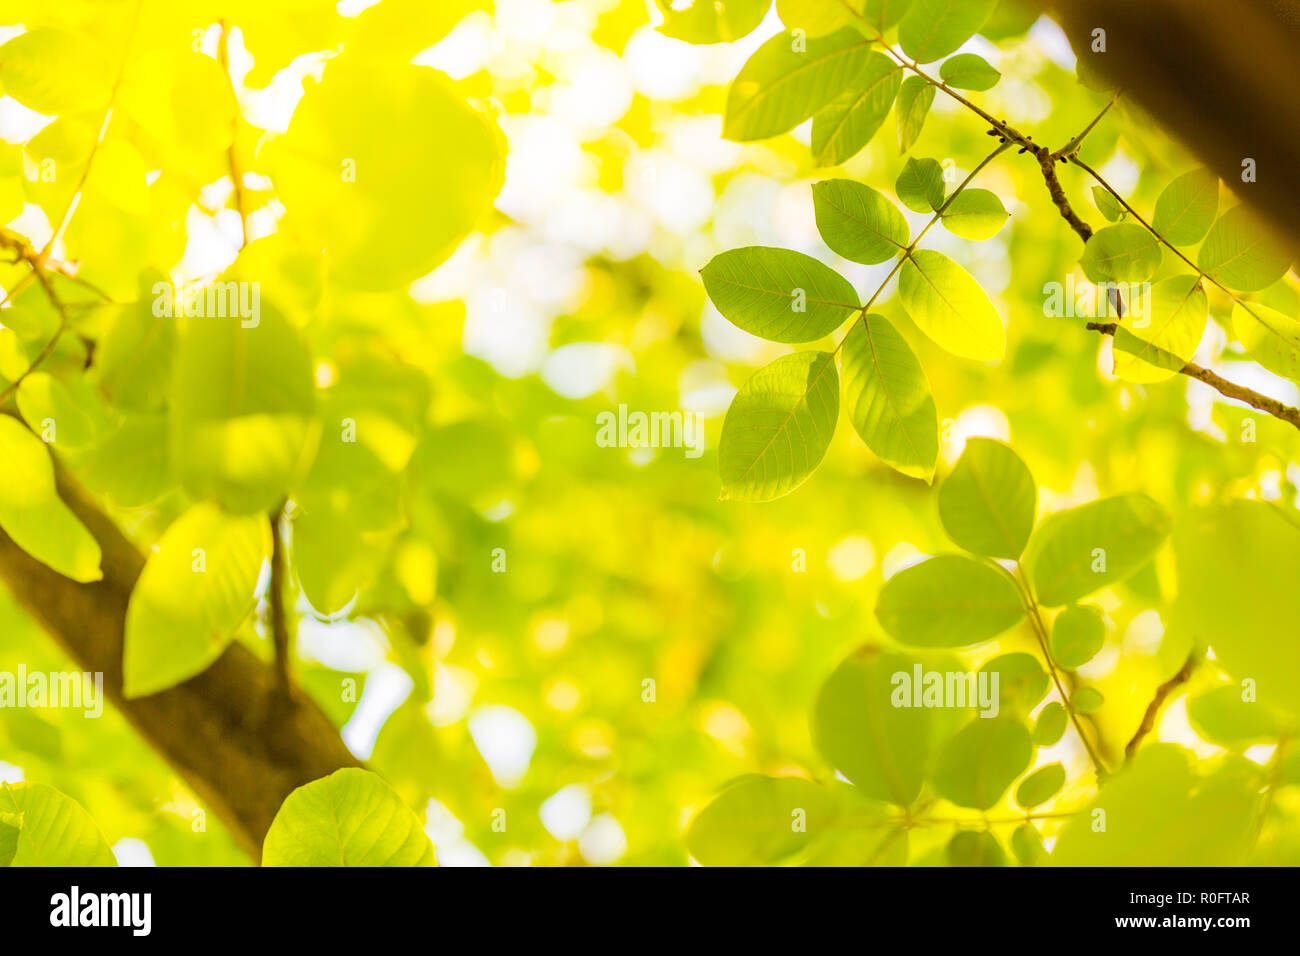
<point>920,185</point>
<point>181,98</point>
<point>33,514</point>
<point>1051,725</point>
<point>778,294</point>
<point>888,397</point>
<point>779,426</point>
<point>987,504</point>
<point>1108,204</point>
<point>130,464</point>
<point>789,79</point>
<point>1122,253</point>
<point>914,100</point>
<point>1238,565</point>
<point>1270,337</point>
<point>977,766</point>
<point>1186,208</point>
<point>399,29</point>
<point>1085,700</point>
<point>949,306</point>
<point>1022,682</point>
<point>54,829</point>
<point>1222,716</point>
<point>194,591</point>
<point>883,14</point>
<point>54,71</point>
<point>242,401</point>
<point>1084,549</point>
<point>815,17</point>
<point>974,848</point>
<point>948,601</point>
<point>1027,845</point>
<point>974,214</point>
<point>704,21</point>
<point>846,124</point>
<point>134,359</point>
<point>1170,322</point>
<point>1243,253</point>
<point>1077,635</point>
<point>934,28</point>
<point>67,415</point>
<point>383,196</point>
<point>1040,786</point>
<point>10,823</point>
<point>883,749</point>
<point>968,71</point>
<point>350,818</point>
<point>857,222</point>
<point>760,821</point>
<point>1157,809</point>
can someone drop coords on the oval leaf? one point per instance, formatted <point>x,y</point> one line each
<point>987,504</point>
<point>1185,210</point>
<point>857,222</point>
<point>883,749</point>
<point>778,294</point>
<point>949,306</point>
<point>889,400</point>
<point>350,818</point>
<point>948,601</point>
<point>978,765</point>
<point>779,426</point>
<point>1242,253</point>
<point>33,514</point>
<point>1084,549</point>
<point>789,78</point>
<point>194,591</point>
<point>749,823</point>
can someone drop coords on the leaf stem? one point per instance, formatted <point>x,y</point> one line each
<point>1040,632</point>
<point>907,253</point>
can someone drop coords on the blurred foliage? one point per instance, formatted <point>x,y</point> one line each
<point>556,652</point>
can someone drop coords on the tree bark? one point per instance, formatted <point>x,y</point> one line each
<point>1222,76</point>
<point>230,733</point>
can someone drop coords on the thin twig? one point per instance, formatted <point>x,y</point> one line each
<point>236,176</point>
<point>1153,709</point>
<point>1040,632</point>
<point>275,600</point>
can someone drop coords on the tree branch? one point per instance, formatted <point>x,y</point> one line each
<point>1158,701</point>
<point>230,732</point>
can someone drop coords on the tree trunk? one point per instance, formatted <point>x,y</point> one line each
<point>229,732</point>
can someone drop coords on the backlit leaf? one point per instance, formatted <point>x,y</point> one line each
<point>948,601</point>
<point>350,818</point>
<point>1081,550</point>
<point>779,294</point>
<point>987,504</point>
<point>949,306</point>
<point>888,398</point>
<point>779,426</point>
<point>857,222</point>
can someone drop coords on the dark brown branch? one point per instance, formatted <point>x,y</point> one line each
<point>1153,709</point>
